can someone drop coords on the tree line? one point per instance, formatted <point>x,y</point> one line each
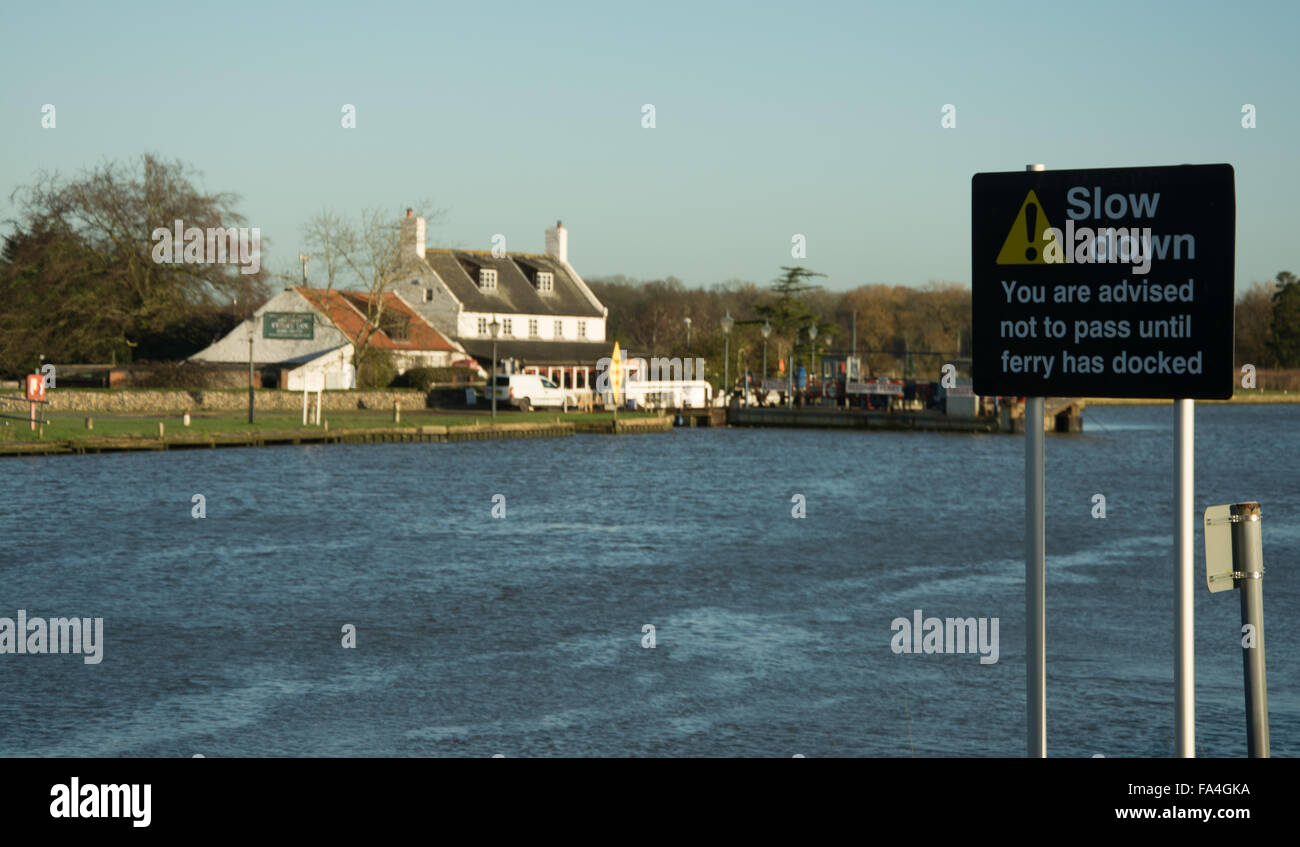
<point>78,283</point>
<point>898,331</point>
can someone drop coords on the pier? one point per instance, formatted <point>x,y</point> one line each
<point>1062,415</point>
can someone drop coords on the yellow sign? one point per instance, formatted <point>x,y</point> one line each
<point>615,373</point>
<point>1025,242</point>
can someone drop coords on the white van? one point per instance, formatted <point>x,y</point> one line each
<point>530,391</point>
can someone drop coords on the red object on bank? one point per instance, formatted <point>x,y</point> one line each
<point>35,387</point>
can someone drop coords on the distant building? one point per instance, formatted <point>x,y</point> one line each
<point>303,330</point>
<point>550,321</point>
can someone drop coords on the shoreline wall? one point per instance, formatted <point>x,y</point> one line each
<point>172,400</point>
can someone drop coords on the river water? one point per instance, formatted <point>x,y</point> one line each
<point>523,635</point>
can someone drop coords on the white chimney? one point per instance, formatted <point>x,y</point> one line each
<point>412,235</point>
<point>557,241</point>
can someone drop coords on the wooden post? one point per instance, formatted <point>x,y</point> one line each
<point>160,429</point>
<point>397,411</point>
<point>90,423</point>
<point>186,418</point>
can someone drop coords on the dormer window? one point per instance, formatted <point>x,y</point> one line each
<point>487,279</point>
<point>395,326</point>
<point>545,282</point>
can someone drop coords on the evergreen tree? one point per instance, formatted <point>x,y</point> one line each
<point>1284,339</point>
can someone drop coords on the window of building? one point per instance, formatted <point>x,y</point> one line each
<point>545,281</point>
<point>395,326</point>
<point>482,327</point>
<point>532,327</point>
<point>559,329</point>
<point>487,279</point>
<point>428,295</point>
<point>507,326</point>
<point>582,329</point>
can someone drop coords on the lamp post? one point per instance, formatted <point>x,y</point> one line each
<point>727,322</point>
<point>807,382</point>
<point>494,328</point>
<point>687,321</point>
<point>252,322</point>
<point>740,375</point>
<point>767,333</point>
<point>812,354</point>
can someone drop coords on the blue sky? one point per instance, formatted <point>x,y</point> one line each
<point>771,118</point>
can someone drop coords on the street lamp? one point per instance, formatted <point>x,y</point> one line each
<point>812,354</point>
<point>727,322</point>
<point>252,322</point>
<point>767,333</point>
<point>687,321</point>
<point>743,377</point>
<point>494,328</point>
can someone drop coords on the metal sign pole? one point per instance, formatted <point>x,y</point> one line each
<point>1234,558</point>
<point>1184,644</point>
<point>1035,581</point>
<point>1035,576</point>
<point>1248,567</point>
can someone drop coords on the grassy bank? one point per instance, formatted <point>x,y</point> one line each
<point>71,426</point>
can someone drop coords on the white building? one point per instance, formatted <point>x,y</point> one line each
<point>327,321</point>
<point>550,321</point>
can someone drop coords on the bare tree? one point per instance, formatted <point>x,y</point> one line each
<point>83,258</point>
<point>364,256</point>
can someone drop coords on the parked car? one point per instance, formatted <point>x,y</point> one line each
<point>530,391</point>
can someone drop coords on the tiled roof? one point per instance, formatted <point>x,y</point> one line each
<point>516,291</point>
<point>348,311</point>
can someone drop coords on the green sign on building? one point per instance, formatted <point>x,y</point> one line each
<point>294,325</point>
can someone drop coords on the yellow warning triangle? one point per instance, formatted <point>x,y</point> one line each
<point>1025,242</point>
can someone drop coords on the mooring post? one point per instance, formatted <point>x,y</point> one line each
<point>1248,570</point>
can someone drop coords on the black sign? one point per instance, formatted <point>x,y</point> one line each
<point>1116,282</point>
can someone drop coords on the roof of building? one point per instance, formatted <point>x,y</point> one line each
<point>516,290</point>
<point>348,310</point>
<point>308,357</point>
<point>541,352</point>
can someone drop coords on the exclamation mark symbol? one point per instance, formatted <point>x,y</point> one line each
<point>1031,221</point>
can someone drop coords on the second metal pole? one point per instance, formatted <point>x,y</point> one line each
<point>1184,643</point>
<point>1035,582</point>
<point>1248,560</point>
